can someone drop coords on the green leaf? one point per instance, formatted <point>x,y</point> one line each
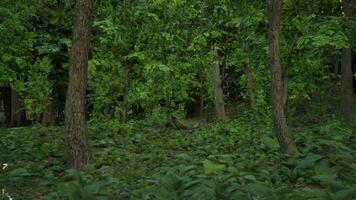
<point>18,172</point>
<point>260,189</point>
<point>212,167</point>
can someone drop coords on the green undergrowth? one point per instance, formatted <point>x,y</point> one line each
<point>233,160</point>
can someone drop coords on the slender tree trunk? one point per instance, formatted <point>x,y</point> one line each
<point>346,72</point>
<point>125,108</point>
<point>279,120</point>
<point>49,115</point>
<point>18,116</point>
<point>75,123</point>
<point>250,85</point>
<point>7,106</point>
<point>218,91</point>
<point>201,92</point>
<point>168,106</point>
<point>336,67</point>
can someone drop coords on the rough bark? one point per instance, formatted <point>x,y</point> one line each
<point>285,89</point>
<point>75,122</point>
<point>250,85</point>
<point>285,140</point>
<point>125,108</point>
<point>218,91</point>
<point>346,72</point>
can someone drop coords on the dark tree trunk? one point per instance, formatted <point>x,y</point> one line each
<point>285,140</point>
<point>75,122</point>
<point>18,115</point>
<point>336,67</point>
<point>7,106</point>
<point>285,89</point>
<point>168,106</point>
<point>49,115</point>
<point>250,85</point>
<point>218,90</point>
<point>125,106</point>
<point>346,72</point>
<point>201,92</point>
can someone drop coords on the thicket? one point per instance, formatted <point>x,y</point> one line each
<point>178,99</point>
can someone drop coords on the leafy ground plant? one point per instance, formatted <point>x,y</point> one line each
<point>234,160</point>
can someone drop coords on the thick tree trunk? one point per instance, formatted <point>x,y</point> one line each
<point>250,85</point>
<point>346,72</point>
<point>285,89</point>
<point>125,108</point>
<point>279,120</point>
<point>218,91</point>
<point>75,123</point>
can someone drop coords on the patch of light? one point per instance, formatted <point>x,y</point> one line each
<point>4,194</point>
<point>4,166</point>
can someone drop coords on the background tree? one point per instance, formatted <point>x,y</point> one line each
<point>274,8</point>
<point>75,116</point>
<point>346,69</point>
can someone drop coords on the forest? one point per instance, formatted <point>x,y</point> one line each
<point>178,99</point>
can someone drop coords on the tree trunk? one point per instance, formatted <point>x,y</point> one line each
<point>7,106</point>
<point>250,86</point>
<point>285,89</point>
<point>168,106</point>
<point>218,91</point>
<point>75,123</point>
<point>346,72</point>
<point>279,120</point>
<point>336,67</point>
<point>49,115</point>
<point>18,116</point>
<point>201,92</point>
<point>125,108</point>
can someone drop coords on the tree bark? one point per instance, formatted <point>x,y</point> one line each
<point>285,89</point>
<point>218,91</point>
<point>346,72</point>
<point>250,85</point>
<point>285,140</point>
<point>7,106</point>
<point>49,115</point>
<point>75,122</point>
<point>18,116</point>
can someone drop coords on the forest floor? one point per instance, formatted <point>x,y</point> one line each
<point>233,160</point>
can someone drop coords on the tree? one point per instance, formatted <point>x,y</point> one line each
<point>346,71</point>
<point>218,90</point>
<point>75,126</point>
<point>274,8</point>
<point>250,86</point>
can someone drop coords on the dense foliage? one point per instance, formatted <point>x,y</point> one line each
<point>151,95</point>
<point>235,160</point>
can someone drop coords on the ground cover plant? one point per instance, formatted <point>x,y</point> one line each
<point>234,160</point>
<point>177,99</point>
